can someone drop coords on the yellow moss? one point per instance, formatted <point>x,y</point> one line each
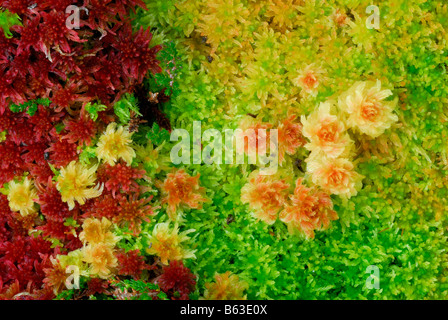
<point>367,109</point>
<point>284,13</point>
<point>222,20</point>
<point>21,197</point>
<point>336,176</point>
<point>167,243</point>
<point>97,231</point>
<point>227,286</point>
<point>102,259</point>
<point>75,184</point>
<point>326,132</point>
<point>114,144</point>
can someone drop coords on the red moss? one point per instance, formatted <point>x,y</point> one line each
<point>135,53</point>
<point>13,251</point>
<point>104,206</point>
<point>22,132</point>
<point>51,204</point>
<point>40,173</point>
<point>110,72</point>
<point>101,13</point>
<point>54,32</point>
<point>177,278</point>
<point>72,242</point>
<point>23,224</point>
<point>4,206</point>
<point>80,130</point>
<point>16,6</point>
<point>35,153</point>
<point>42,70</point>
<point>97,286</point>
<point>120,178</point>
<point>35,88</point>
<point>62,153</point>
<point>123,4</point>
<point>55,229</point>
<point>7,121</point>
<point>132,212</point>
<point>43,122</point>
<point>29,34</point>
<point>64,96</point>
<point>11,163</point>
<point>22,260</point>
<point>131,263</point>
<point>45,59</point>
<point>58,5</point>
<point>50,60</point>
<point>10,155</point>
<point>16,64</point>
<point>67,64</point>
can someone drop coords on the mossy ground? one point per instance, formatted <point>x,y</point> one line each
<point>398,220</point>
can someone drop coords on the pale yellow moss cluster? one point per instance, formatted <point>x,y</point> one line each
<point>114,144</point>
<point>166,243</point>
<point>362,108</point>
<point>22,196</point>
<point>76,182</point>
<point>99,246</point>
<point>367,109</point>
<point>227,286</point>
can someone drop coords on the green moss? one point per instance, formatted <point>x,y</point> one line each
<point>7,20</point>
<point>397,222</point>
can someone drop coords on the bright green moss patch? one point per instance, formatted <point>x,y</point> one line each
<point>397,220</point>
<point>7,20</point>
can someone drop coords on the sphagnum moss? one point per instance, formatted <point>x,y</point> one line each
<point>224,62</point>
<point>396,220</point>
